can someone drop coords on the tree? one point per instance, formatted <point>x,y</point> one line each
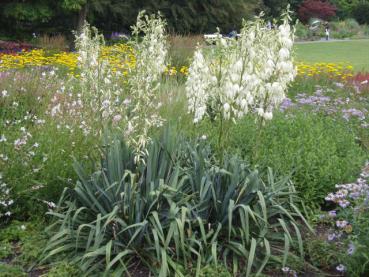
<point>361,12</point>
<point>191,16</point>
<point>19,17</point>
<point>316,9</point>
<point>203,16</point>
<point>345,7</point>
<point>274,8</point>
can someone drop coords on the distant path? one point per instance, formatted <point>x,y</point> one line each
<point>331,40</point>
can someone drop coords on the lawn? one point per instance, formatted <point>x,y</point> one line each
<point>355,52</point>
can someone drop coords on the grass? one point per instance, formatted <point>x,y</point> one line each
<point>355,52</point>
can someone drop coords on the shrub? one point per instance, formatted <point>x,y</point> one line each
<point>319,150</point>
<point>316,8</point>
<point>302,32</point>
<point>361,12</point>
<point>175,213</point>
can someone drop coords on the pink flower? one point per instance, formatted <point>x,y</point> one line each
<point>117,118</point>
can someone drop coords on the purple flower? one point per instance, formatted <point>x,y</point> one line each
<point>331,237</point>
<point>330,197</point>
<point>347,113</point>
<point>343,203</point>
<point>351,249</point>
<point>332,213</point>
<point>286,103</point>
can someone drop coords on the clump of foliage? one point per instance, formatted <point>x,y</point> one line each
<point>21,246</point>
<point>175,213</point>
<point>319,150</point>
<point>316,9</point>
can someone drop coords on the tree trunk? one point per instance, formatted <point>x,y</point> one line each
<point>82,16</point>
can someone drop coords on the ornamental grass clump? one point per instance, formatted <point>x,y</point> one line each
<point>175,213</point>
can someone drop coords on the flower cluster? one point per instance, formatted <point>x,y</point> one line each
<point>126,98</point>
<point>236,77</point>
<point>5,199</point>
<point>360,82</point>
<point>144,79</point>
<point>174,71</point>
<point>120,57</point>
<point>329,102</point>
<point>9,47</point>
<point>350,219</point>
<point>22,124</point>
<point>333,71</point>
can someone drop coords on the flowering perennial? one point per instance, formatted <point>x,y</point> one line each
<point>144,79</point>
<point>350,219</point>
<point>236,77</point>
<point>333,71</point>
<point>5,199</point>
<point>126,98</point>
<point>120,57</point>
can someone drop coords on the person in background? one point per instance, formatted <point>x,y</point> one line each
<point>326,31</point>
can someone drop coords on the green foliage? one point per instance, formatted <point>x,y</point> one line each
<point>344,245</point>
<point>63,269</point>
<point>345,29</point>
<point>302,32</point>
<point>361,12</point>
<point>5,250</point>
<point>353,244</point>
<point>74,5</point>
<point>348,28</point>
<point>276,7</point>
<point>320,151</point>
<point>11,271</point>
<point>38,171</point>
<point>322,254</point>
<point>114,15</point>
<point>345,7</point>
<point>178,211</point>
<point>21,244</point>
<point>211,271</point>
<point>29,238</point>
<point>32,11</point>
<point>205,16</point>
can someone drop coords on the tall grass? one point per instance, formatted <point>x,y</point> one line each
<point>182,48</point>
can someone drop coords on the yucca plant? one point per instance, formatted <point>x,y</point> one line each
<point>174,213</point>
